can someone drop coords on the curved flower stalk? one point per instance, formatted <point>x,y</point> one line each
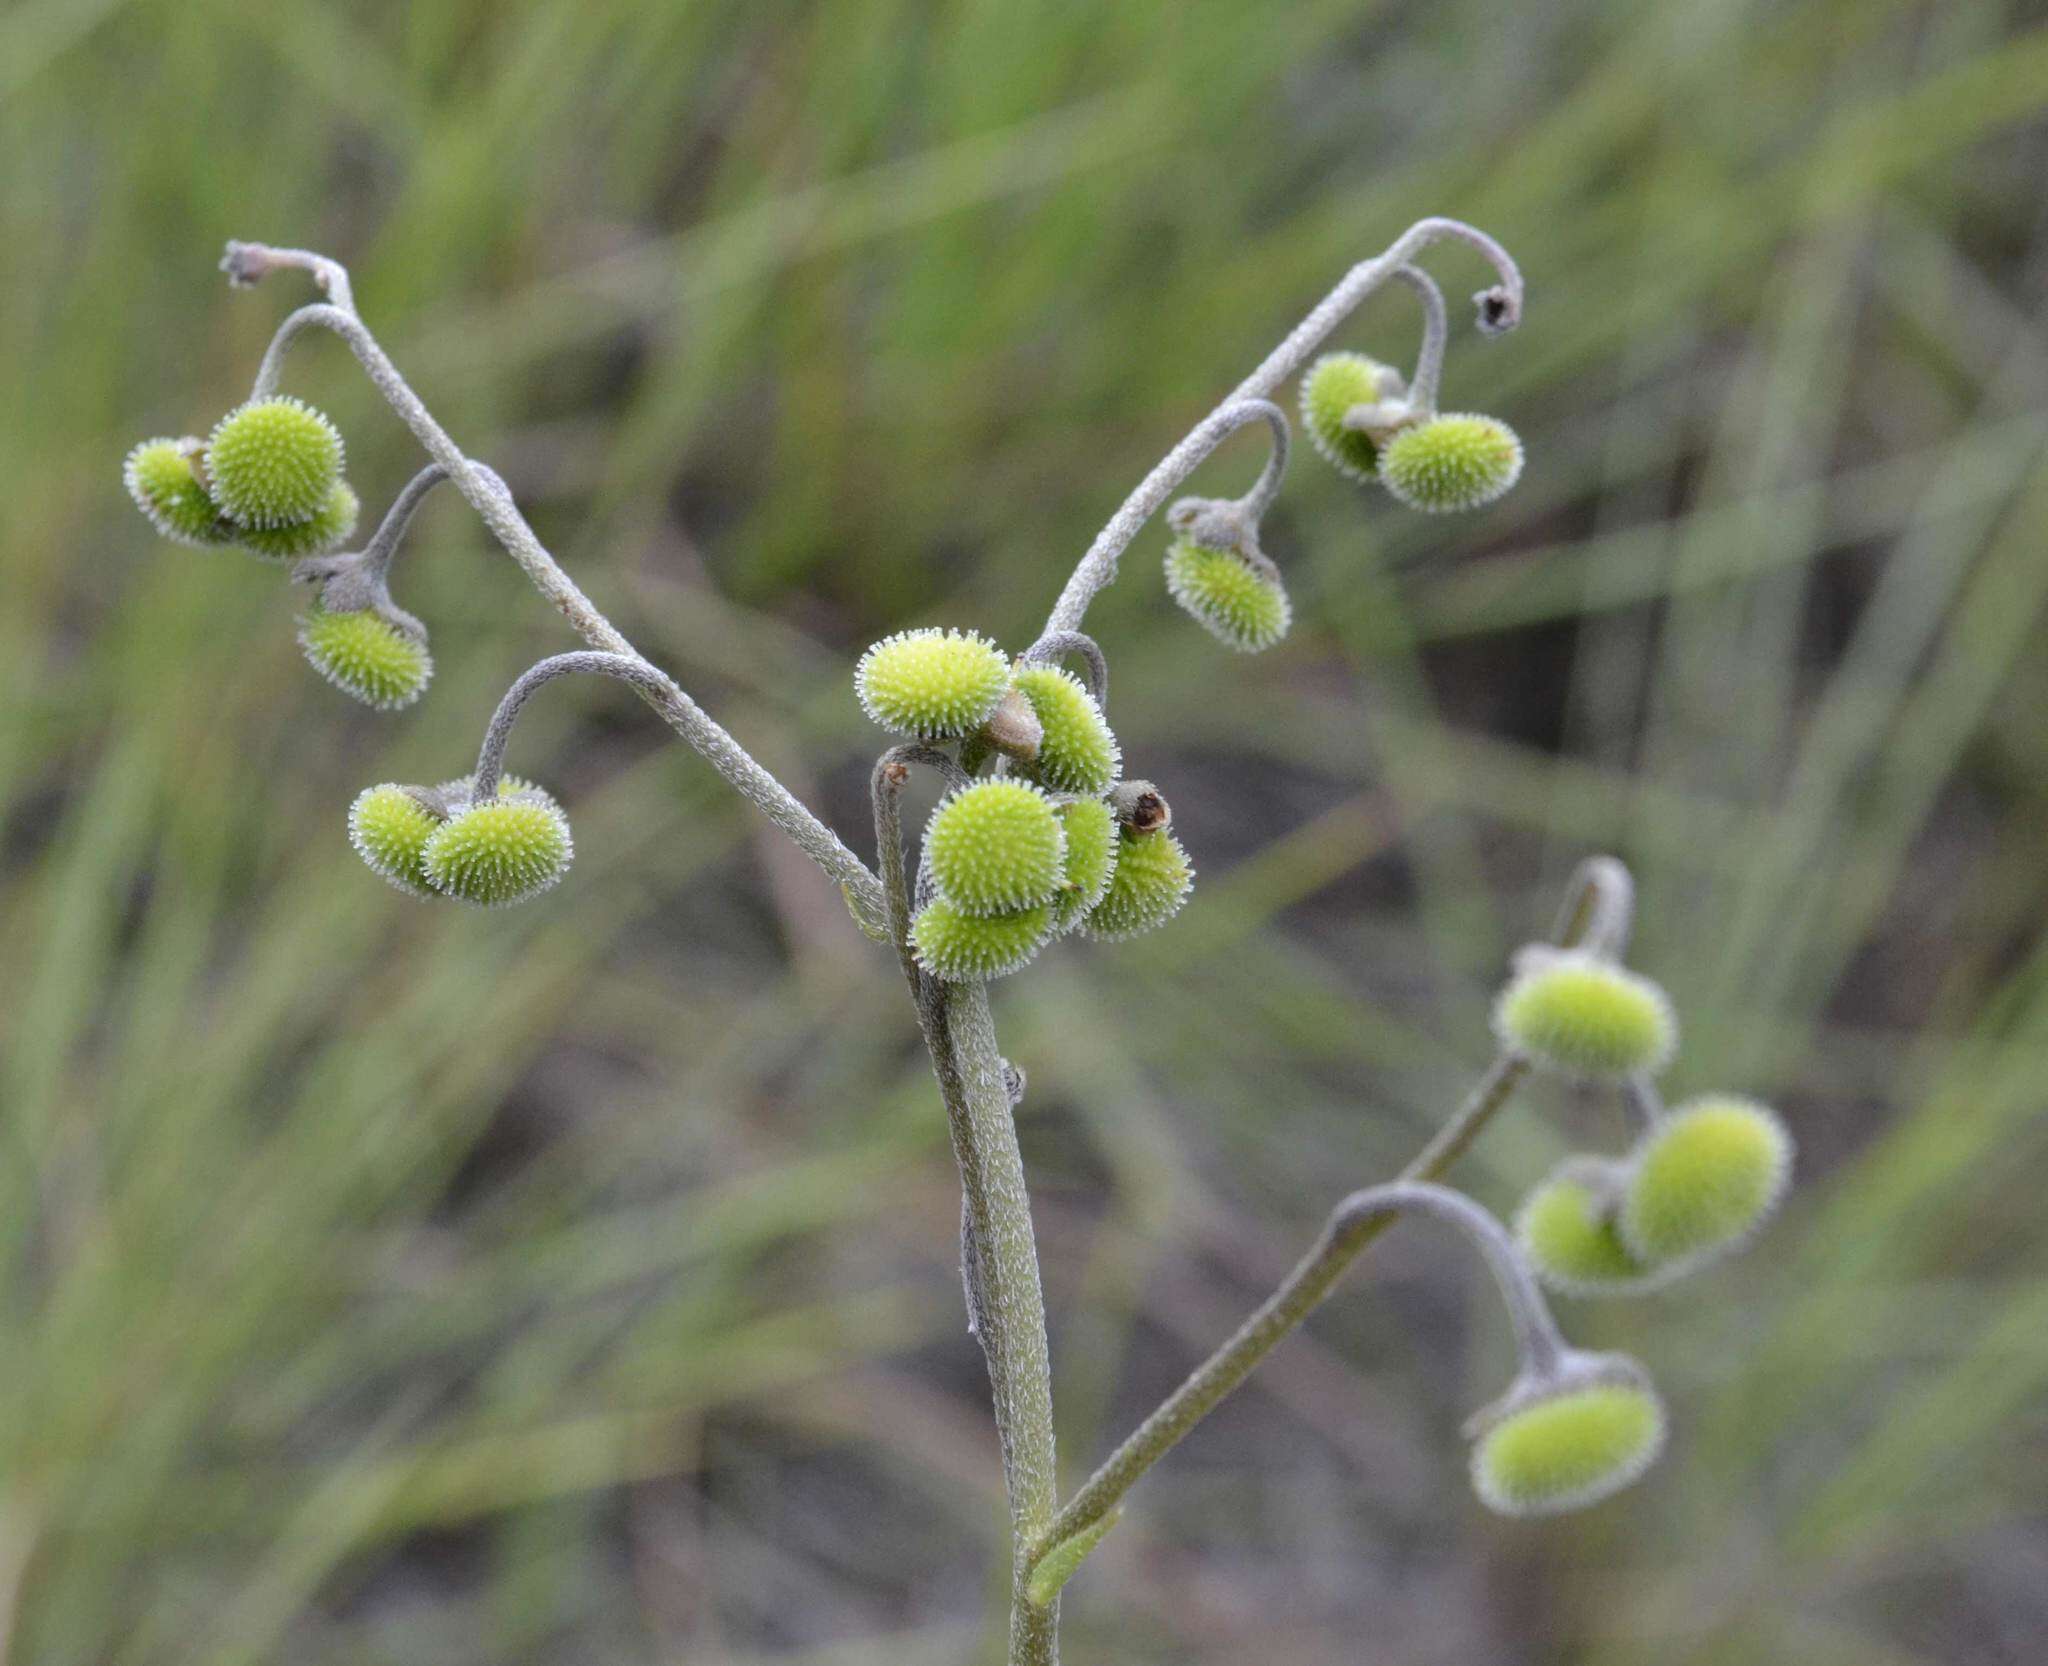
<point>1040,835</point>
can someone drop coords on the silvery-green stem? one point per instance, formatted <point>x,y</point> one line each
<point>1644,1100</point>
<point>1599,908</point>
<point>1499,308</point>
<point>1049,649</point>
<point>1216,1377</point>
<point>1436,330</point>
<point>627,668</point>
<point>487,494</point>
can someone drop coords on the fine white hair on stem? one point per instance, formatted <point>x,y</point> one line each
<point>626,668</point>
<point>246,263</point>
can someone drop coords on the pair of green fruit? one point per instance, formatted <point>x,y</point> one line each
<point>1439,464</point>
<point>439,842</point>
<point>269,478</point>
<point>1016,861</point>
<point>1702,1177</point>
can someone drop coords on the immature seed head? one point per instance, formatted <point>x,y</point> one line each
<point>389,825</point>
<point>1092,845</point>
<point>996,846</point>
<point>1567,1230</point>
<point>931,683</point>
<point>1704,1179</point>
<point>1579,1013</point>
<point>1150,882</point>
<point>499,853</point>
<point>972,948</point>
<point>166,487</point>
<point>1076,753</point>
<point>334,521</point>
<point>1451,462</point>
<point>1563,1449</point>
<point>366,656</point>
<point>1335,384</point>
<point>273,462</point>
<point>1242,607</point>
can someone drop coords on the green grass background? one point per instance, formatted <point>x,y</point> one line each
<point>395,1284</point>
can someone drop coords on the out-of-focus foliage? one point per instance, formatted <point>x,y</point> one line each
<point>405,1284</point>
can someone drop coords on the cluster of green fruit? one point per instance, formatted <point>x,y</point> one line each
<point>269,479</point>
<point>1059,843</point>
<point>443,842</point>
<point>1360,418</point>
<point>1701,1177</point>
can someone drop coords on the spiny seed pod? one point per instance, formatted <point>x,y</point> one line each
<point>996,846</point>
<point>1460,461</point>
<point>1563,1450</point>
<point>1336,383</point>
<point>334,522</point>
<point>366,656</point>
<point>1076,753</point>
<point>161,479</point>
<point>1568,1232</point>
<point>499,853</point>
<point>1233,601</point>
<point>931,683</point>
<point>273,462</point>
<point>972,948</point>
<point>1092,845</point>
<point>1704,1179</point>
<point>1579,1013</point>
<point>1151,880</point>
<point>389,825</point>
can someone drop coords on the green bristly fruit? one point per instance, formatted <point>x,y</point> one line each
<point>1704,1180</point>
<point>325,531</point>
<point>1451,462</point>
<point>389,828</point>
<point>366,656</point>
<point>499,853</point>
<point>1335,384</point>
<point>972,948</point>
<point>1151,881</point>
<point>934,684</point>
<point>996,847</point>
<point>1240,606</point>
<point>1584,1015</point>
<point>1092,846</point>
<point>1077,753</point>
<point>1567,1229</point>
<point>167,489</point>
<point>1568,1450</point>
<point>273,462</point>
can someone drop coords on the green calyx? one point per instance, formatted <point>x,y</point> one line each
<point>335,520</point>
<point>1448,463</point>
<point>160,477</point>
<point>1077,753</point>
<point>1150,882</point>
<point>1704,1179</point>
<point>972,948</point>
<point>1567,1229</point>
<point>1337,383</point>
<point>995,847</point>
<point>389,827</point>
<point>273,462</point>
<point>366,656</point>
<point>499,853</point>
<point>1584,1015</point>
<point>1092,846</point>
<point>1566,1450</point>
<point>1227,596</point>
<point>934,684</point>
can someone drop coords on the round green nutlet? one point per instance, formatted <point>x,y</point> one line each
<point>335,521</point>
<point>1241,607</point>
<point>1092,846</point>
<point>1152,879</point>
<point>1568,1232</point>
<point>366,656</point>
<point>1448,463</point>
<point>972,948</point>
<point>167,489</point>
<point>389,828</point>
<point>1582,1014</point>
<point>995,847</point>
<point>499,853</point>
<point>1336,383</point>
<point>931,683</point>
<point>273,462</point>
<point>1704,1179</point>
<point>1567,1450</point>
<point>1077,753</point>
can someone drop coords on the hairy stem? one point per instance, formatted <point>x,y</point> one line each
<point>487,494</point>
<point>1592,890</point>
<point>627,668</point>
